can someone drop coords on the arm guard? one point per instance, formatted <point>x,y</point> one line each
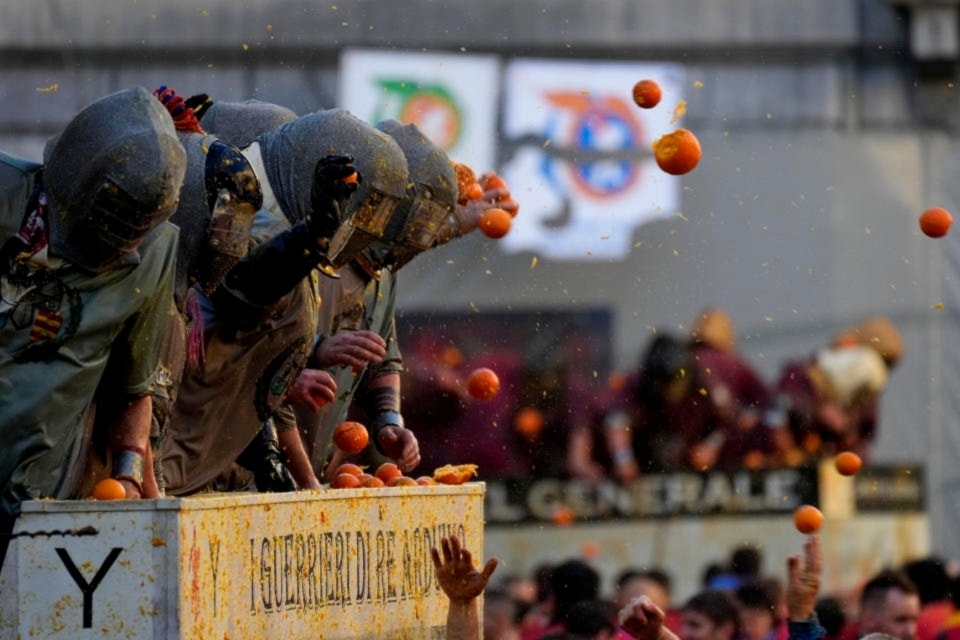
<point>384,406</point>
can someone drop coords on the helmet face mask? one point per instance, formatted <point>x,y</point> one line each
<point>365,225</point>
<point>420,231</point>
<point>429,199</point>
<point>290,154</point>
<point>114,227</point>
<point>233,197</point>
<point>228,240</point>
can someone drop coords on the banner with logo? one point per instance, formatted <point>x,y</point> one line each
<point>451,97</point>
<point>582,165</point>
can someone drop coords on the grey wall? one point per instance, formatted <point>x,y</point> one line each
<point>823,141</point>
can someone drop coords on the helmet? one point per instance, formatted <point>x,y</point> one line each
<point>218,201</point>
<point>430,198</point>
<point>290,155</point>
<point>240,123</point>
<point>111,177</point>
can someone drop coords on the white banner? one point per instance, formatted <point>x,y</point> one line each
<point>451,97</point>
<point>584,173</point>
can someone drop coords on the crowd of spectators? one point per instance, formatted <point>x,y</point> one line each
<point>693,402</point>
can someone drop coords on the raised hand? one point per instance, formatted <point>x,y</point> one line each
<point>803,580</point>
<point>330,192</point>
<point>455,572</point>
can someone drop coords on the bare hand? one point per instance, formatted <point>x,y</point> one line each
<point>355,349</point>
<point>400,445</point>
<point>642,619</point>
<point>312,389</point>
<point>455,572</point>
<point>803,580</point>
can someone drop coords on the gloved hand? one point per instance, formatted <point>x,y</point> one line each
<point>263,457</point>
<point>199,103</point>
<point>330,192</point>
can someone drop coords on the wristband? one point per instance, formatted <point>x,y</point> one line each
<point>381,420</point>
<point>622,456</point>
<point>128,465</point>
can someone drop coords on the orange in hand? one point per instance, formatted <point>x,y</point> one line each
<point>848,463</point>
<point>454,473</point>
<point>467,186</point>
<point>935,222</point>
<point>350,437</point>
<point>807,519</point>
<point>492,181</point>
<point>495,223</point>
<point>109,489</point>
<point>647,94</point>
<point>350,179</point>
<point>677,153</point>
<point>483,384</point>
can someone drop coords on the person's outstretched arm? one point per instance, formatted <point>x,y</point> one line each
<point>462,583</point>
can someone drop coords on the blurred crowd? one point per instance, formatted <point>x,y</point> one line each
<point>693,402</point>
<point>739,599</point>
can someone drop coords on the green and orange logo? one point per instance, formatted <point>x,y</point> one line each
<point>431,107</point>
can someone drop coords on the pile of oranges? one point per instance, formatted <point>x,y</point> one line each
<point>352,476</point>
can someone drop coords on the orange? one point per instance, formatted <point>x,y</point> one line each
<point>426,481</point>
<point>617,381</point>
<point>492,181</point>
<point>647,94</point>
<point>374,482</point>
<point>466,178</point>
<point>402,481</point>
<point>451,356</point>
<point>812,442</point>
<point>677,153</point>
<point>529,422</point>
<point>109,489</point>
<point>589,549</point>
<point>351,437</point>
<point>848,463</point>
<point>563,516</point>
<point>754,459</point>
<point>350,468</point>
<point>364,477</point>
<point>483,384</point>
<point>454,473</point>
<point>935,222</point>
<point>474,191</point>
<point>495,223</point>
<point>387,471</point>
<point>807,519</point>
<point>345,481</point>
